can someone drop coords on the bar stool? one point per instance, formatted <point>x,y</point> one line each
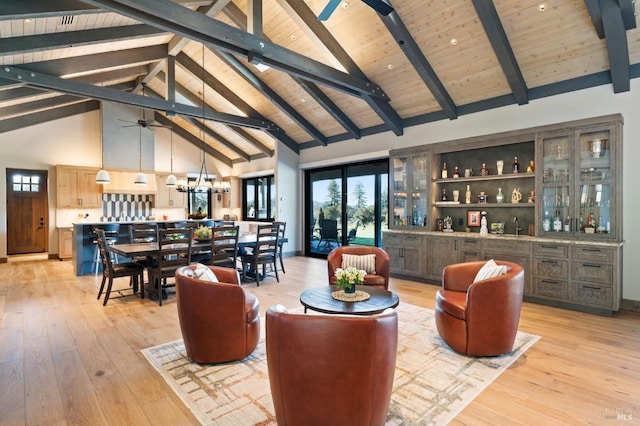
<point>111,231</point>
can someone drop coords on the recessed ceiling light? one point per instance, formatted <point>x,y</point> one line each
<point>542,7</point>
<point>294,37</point>
<point>390,66</point>
<point>345,4</point>
<point>453,41</point>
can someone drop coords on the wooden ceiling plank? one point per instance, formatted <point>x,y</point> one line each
<point>195,69</point>
<point>39,105</point>
<point>333,109</point>
<point>593,7</point>
<point>263,88</point>
<point>48,115</point>
<point>219,138</point>
<point>44,8</point>
<point>101,93</point>
<point>488,15</point>
<point>35,43</point>
<point>412,51</point>
<point>306,20</point>
<point>617,48</point>
<point>189,137</point>
<point>206,30</point>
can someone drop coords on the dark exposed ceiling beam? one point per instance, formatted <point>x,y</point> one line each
<point>412,51</point>
<point>617,48</point>
<point>33,43</point>
<point>593,7</point>
<point>488,14</point>
<point>191,97</point>
<point>49,102</point>
<point>46,116</point>
<point>268,92</point>
<point>196,70</point>
<point>628,11</point>
<point>306,19</point>
<point>321,98</point>
<point>174,18</point>
<point>105,94</point>
<point>188,136</point>
<point>99,61</point>
<point>26,92</point>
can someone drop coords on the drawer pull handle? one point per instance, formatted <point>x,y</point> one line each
<point>592,250</point>
<point>591,288</point>
<point>554,262</point>
<point>590,265</point>
<point>550,247</point>
<point>550,282</point>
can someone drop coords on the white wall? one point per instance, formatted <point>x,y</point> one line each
<point>289,196</point>
<point>76,140</point>
<point>573,106</point>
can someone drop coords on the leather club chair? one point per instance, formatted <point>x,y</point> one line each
<point>479,319</point>
<point>331,369</point>
<point>219,321</point>
<point>379,279</point>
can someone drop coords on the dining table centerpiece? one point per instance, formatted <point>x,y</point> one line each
<point>202,233</point>
<point>348,278</point>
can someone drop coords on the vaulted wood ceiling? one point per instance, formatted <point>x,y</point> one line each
<point>358,73</point>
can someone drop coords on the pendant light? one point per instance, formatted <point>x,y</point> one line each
<point>171,179</point>
<point>141,178</point>
<point>102,177</point>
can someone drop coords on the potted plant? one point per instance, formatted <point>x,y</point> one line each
<point>348,278</point>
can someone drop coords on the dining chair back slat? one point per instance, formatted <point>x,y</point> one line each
<point>224,246</point>
<point>174,251</point>
<point>110,270</point>
<point>263,253</point>
<point>282,226</point>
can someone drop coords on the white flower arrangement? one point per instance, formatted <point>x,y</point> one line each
<point>345,278</point>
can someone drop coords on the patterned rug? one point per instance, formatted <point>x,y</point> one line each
<point>432,383</point>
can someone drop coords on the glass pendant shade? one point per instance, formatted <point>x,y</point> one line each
<point>141,179</point>
<point>171,181</point>
<point>103,177</point>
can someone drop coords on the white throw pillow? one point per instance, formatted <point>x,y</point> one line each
<point>489,270</point>
<point>366,262</point>
<point>203,273</point>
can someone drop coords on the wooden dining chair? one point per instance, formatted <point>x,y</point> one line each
<point>224,246</point>
<point>174,251</point>
<point>282,227</point>
<point>262,254</point>
<point>110,271</point>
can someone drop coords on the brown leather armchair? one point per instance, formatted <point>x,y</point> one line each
<point>479,319</point>
<point>380,278</point>
<point>331,369</point>
<point>219,321</point>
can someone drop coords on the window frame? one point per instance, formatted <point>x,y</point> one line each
<point>268,187</point>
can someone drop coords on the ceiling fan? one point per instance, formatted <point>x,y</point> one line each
<point>380,6</point>
<point>142,121</point>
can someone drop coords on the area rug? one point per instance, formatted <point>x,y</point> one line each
<point>432,383</point>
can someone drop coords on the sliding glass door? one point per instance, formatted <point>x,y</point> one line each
<point>346,205</point>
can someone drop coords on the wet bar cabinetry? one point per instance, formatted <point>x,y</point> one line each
<point>568,215</point>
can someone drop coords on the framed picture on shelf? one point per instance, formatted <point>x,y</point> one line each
<point>473,218</point>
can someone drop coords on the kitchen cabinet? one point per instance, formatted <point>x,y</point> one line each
<point>407,254</point>
<point>77,187</point>
<point>442,251</point>
<point>169,197</point>
<point>65,243</point>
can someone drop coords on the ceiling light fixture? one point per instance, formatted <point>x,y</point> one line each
<point>453,41</point>
<point>542,7</point>
<point>102,177</point>
<point>171,179</point>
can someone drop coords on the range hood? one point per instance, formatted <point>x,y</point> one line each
<point>122,183</point>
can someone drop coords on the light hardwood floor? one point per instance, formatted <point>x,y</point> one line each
<point>65,359</point>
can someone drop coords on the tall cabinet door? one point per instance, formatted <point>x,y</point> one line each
<point>409,180</point>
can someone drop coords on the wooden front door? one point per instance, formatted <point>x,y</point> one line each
<point>27,211</point>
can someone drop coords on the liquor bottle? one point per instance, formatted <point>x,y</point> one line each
<point>601,228</point>
<point>456,172</point>
<point>444,195</point>
<point>590,220</point>
<point>499,196</point>
<point>546,222</point>
<point>467,195</point>
<point>516,165</point>
<point>567,224</point>
<point>444,171</point>
<point>557,222</point>
<point>484,171</point>
<point>581,223</point>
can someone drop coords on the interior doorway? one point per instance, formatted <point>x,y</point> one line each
<point>27,211</point>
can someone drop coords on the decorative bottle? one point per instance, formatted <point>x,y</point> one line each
<point>484,171</point>
<point>456,172</point>
<point>443,197</point>
<point>546,222</point>
<point>516,165</point>
<point>567,224</point>
<point>444,173</point>
<point>557,222</point>
<point>484,230</point>
<point>499,196</point>
<point>531,167</point>
<point>467,195</point>
<point>581,223</point>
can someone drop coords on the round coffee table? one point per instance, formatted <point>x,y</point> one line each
<point>319,299</point>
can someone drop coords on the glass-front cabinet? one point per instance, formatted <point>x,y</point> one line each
<point>579,182</point>
<point>409,183</point>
